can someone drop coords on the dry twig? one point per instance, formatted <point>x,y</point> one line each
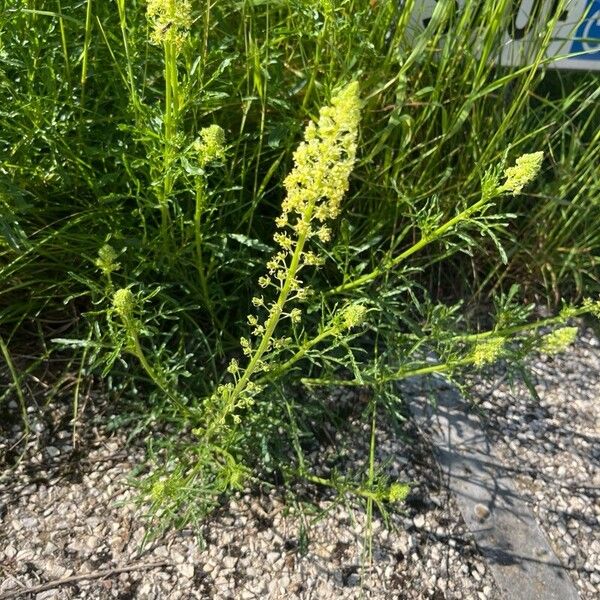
<point>36,589</point>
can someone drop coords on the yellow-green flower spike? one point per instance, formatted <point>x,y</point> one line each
<point>107,260</point>
<point>488,351</point>
<point>210,146</point>
<point>315,188</point>
<point>525,171</point>
<point>323,163</point>
<point>124,303</point>
<point>592,306</point>
<point>170,20</point>
<point>559,340</point>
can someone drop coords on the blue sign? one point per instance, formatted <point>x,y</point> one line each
<point>587,36</point>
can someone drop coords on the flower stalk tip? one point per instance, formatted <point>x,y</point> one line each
<point>210,145</point>
<point>171,21</point>
<point>107,260</point>
<point>123,303</point>
<point>525,170</point>
<point>488,351</point>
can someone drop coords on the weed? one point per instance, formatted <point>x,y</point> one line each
<point>147,151</point>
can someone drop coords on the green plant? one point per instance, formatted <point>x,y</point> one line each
<point>146,151</point>
<point>214,459</point>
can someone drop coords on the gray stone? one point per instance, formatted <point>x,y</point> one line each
<point>419,521</point>
<point>510,537</point>
<point>186,570</point>
<point>52,451</point>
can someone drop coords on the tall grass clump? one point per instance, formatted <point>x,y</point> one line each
<point>222,208</point>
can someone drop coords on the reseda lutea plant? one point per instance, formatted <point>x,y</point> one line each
<point>215,456</point>
<point>301,330</point>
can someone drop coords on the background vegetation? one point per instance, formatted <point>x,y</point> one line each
<point>102,187</point>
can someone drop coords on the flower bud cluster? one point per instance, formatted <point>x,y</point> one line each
<point>349,317</point>
<point>567,312</point>
<point>397,492</point>
<point>165,488</point>
<point>592,306</point>
<point>224,401</point>
<point>559,340</point>
<point>525,171</point>
<point>210,145</point>
<point>124,303</point>
<point>107,260</point>
<point>171,21</point>
<point>488,351</point>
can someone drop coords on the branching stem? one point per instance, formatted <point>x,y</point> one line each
<point>424,241</point>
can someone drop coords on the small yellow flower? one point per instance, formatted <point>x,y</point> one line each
<point>246,346</point>
<point>324,234</point>
<point>233,367</point>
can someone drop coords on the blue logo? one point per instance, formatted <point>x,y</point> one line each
<point>587,36</point>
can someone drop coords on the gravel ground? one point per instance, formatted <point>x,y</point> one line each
<point>65,513</point>
<point>553,446</point>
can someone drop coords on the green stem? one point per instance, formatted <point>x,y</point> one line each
<point>396,376</point>
<point>86,49</point>
<point>171,117</point>
<point>156,377</point>
<point>132,86</point>
<point>200,204</point>
<point>77,388</point>
<point>63,40</point>
<point>424,241</point>
<point>341,487</point>
<point>521,328</point>
<point>205,35</point>
<point>316,70</point>
<point>16,383</point>
<point>371,481</point>
<point>270,325</point>
<point>198,239</point>
<point>301,353</point>
<point>448,366</point>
